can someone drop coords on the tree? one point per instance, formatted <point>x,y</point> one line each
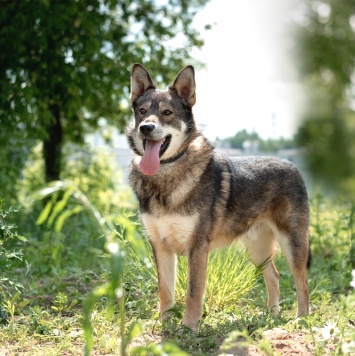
<point>269,145</point>
<point>239,138</point>
<point>326,56</point>
<point>66,64</point>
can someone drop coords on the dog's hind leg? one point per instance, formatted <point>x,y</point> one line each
<point>295,246</point>
<point>300,277</point>
<point>260,245</point>
<point>166,267</point>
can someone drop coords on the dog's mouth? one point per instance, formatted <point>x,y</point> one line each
<point>164,146</point>
<point>153,150</point>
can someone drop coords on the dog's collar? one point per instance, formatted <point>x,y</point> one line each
<point>174,158</point>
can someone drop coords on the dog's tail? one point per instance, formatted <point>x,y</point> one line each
<point>309,259</point>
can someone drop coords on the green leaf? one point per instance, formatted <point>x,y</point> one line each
<point>44,213</point>
<point>64,216</point>
<point>21,238</point>
<point>59,206</point>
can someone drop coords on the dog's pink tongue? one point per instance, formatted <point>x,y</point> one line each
<point>150,161</point>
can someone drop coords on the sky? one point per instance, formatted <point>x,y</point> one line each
<point>250,79</point>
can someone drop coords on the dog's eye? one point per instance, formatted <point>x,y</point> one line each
<point>167,112</point>
<point>142,111</point>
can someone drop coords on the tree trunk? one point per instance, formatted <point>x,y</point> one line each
<point>52,147</point>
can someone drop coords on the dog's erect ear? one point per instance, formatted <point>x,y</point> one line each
<point>140,81</point>
<point>185,86</point>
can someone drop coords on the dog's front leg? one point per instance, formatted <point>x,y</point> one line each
<point>197,262</point>
<point>166,266</point>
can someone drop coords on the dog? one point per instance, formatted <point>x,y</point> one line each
<point>193,199</point>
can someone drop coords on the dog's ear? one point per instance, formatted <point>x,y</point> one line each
<point>185,85</point>
<point>140,81</point>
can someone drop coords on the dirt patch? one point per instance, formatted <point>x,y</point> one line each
<point>288,343</point>
<point>283,343</point>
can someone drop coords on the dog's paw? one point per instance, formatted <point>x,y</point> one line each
<point>190,323</point>
<point>166,315</point>
<point>174,311</point>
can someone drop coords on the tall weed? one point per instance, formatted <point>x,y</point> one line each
<point>8,279</point>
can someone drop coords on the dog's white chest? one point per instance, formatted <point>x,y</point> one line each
<point>173,231</point>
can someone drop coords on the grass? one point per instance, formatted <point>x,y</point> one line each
<point>231,276</point>
<point>63,269</point>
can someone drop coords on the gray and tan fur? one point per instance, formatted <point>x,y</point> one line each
<point>195,199</point>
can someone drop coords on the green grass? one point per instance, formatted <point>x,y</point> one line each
<point>69,271</point>
<point>230,276</point>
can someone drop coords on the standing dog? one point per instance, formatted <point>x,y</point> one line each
<point>193,199</point>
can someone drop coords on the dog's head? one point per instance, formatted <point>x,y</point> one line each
<point>163,120</point>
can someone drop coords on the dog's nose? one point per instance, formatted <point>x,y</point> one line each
<point>146,129</point>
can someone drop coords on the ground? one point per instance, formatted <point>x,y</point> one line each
<point>283,343</point>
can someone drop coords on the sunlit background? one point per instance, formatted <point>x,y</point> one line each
<point>250,81</point>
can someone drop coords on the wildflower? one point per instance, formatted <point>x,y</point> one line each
<point>352,283</point>
<point>113,248</point>
<point>330,330</point>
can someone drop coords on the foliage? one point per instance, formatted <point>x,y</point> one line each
<point>243,137</point>
<point>93,172</point>
<point>65,68</point>
<point>7,254</point>
<point>67,227</point>
<point>325,52</point>
<point>238,139</point>
<point>118,296</point>
<point>14,151</point>
<point>8,279</point>
<point>65,203</point>
<point>55,213</point>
